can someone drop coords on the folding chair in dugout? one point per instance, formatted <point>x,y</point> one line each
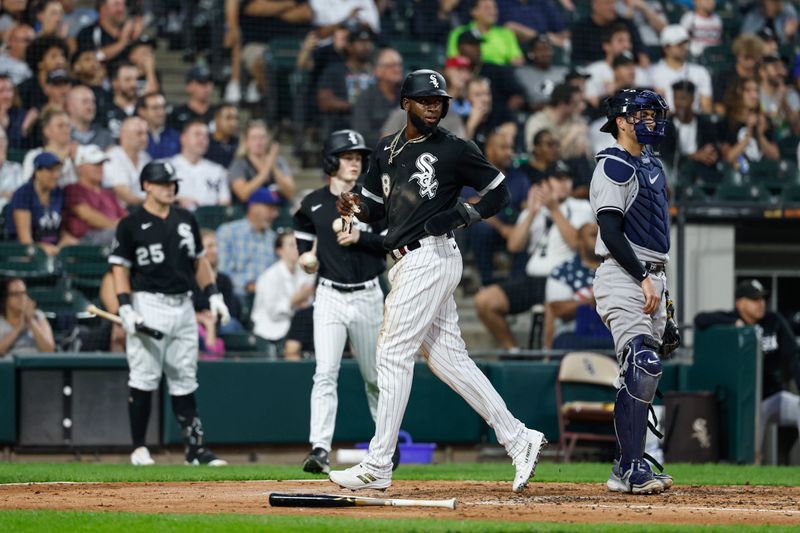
<point>585,416</point>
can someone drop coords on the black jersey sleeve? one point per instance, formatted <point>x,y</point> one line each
<point>372,206</point>
<point>304,229</point>
<point>122,249</point>
<point>199,251</point>
<point>473,170</point>
<point>372,241</point>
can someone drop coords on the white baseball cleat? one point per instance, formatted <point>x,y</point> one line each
<point>357,477</point>
<point>525,461</point>
<point>141,457</point>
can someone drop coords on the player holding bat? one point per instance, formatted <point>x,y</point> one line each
<point>156,254</point>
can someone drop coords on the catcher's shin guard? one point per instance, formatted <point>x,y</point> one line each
<point>638,380</point>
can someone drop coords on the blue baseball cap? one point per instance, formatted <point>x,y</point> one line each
<point>46,160</point>
<point>264,196</point>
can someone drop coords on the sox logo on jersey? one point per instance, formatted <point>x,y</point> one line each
<point>187,238</point>
<point>426,176</point>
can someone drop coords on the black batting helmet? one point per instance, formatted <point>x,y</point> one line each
<point>159,171</point>
<point>425,83</point>
<point>339,142</point>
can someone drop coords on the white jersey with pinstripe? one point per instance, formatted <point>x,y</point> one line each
<point>420,311</point>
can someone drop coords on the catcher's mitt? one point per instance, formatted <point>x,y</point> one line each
<point>671,339</point>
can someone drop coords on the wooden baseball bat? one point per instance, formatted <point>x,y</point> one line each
<point>279,499</point>
<point>141,328</point>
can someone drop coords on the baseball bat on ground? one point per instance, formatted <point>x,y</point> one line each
<point>141,328</point>
<point>279,499</point>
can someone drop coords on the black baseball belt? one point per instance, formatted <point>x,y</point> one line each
<point>348,287</point>
<point>398,253</point>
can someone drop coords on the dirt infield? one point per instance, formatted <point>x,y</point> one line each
<point>542,502</point>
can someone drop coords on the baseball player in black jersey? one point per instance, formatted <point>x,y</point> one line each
<point>349,300</point>
<point>156,258</point>
<point>413,182</point>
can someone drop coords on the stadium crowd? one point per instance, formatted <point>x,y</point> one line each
<point>82,110</point>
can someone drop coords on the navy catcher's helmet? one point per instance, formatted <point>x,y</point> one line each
<point>342,141</point>
<point>626,102</point>
<point>159,171</point>
<point>425,83</point>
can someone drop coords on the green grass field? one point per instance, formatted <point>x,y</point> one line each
<point>24,521</point>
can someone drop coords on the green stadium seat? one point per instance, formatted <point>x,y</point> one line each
<point>284,51</point>
<point>59,301</point>
<point>84,266</point>
<point>747,192</point>
<point>211,216</point>
<point>247,344</point>
<point>791,194</point>
<point>774,175</point>
<point>788,147</point>
<point>691,193</point>
<point>419,54</point>
<point>16,154</point>
<point>26,261</point>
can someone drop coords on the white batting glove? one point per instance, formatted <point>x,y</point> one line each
<point>218,308</point>
<point>130,318</point>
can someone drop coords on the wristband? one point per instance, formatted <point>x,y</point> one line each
<point>210,290</point>
<point>124,298</point>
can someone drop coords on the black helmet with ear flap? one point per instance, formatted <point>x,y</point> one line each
<point>159,171</point>
<point>425,83</point>
<point>342,141</point>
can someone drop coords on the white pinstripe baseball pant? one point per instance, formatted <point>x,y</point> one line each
<point>420,311</point>
<point>337,314</point>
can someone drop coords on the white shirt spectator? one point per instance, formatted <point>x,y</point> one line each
<point>602,75</point>
<point>704,31</point>
<point>69,173</point>
<point>120,170</point>
<point>11,179</point>
<point>327,12</point>
<point>17,70</point>
<point>206,182</point>
<point>664,76</point>
<point>547,247</point>
<point>600,140</point>
<point>272,311</point>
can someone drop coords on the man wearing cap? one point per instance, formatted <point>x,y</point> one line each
<point>246,247</point>
<point>199,86</point>
<point>624,77</point>
<point>113,31</point>
<point>36,208</point>
<point>56,87</point>
<point>498,44</point>
<point>778,347</point>
<point>376,103</point>
<point>123,103</point>
<point>675,67</point>
<point>548,228</point>
<point>92,212</point>
<point>82,109</point>
<point>616,42</point>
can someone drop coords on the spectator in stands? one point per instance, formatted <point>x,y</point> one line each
<point>14,12</point>
<point>549,227</point>
<point>691,137</point>
<point>328,15</point>
<point>224,284</point>
<point>162,141</point>
<point>457,72</point>
<point>539,76</point>
<point>342,83</point>
<point>23,328</point>
<point>703,25</point>
<point>43,55</point>
<point>123,103</point>
<point>374,105</point>
<point>588,32</point>
<point>126,161</point>
<point>56,87</point>
<point>777,14</point>
<point>113,31</point>
<point>747,134</point>
<point>88,71</point>
<point>481,121</point>
<point>92,212</point>
<point>430,20</point>
<point>203,182</point>
<point>247,246</point>
<point>778,347</point>
<point>199,86</point>
<point>141,53</point>
<point>82,111</point>
<point>489,235</point>
<point>748,50</point>
<point>16,122</point>
<point>529,20</point>
<point>56,134</point>
<point>771,44</point>
<point>258,164</point>
<point>12,57</point>
<point>76,18</point>
<point>50,19</point>
<point>779,101</point>
<point>499,45</point>
<point>563,117</point>
<point>675,67</point>
<point>283,292</point>
<point>546,150</point>
<point>10,172</point>
<point>616,40</point>
<point>36,208</point>
<point>647,16</point>
<point>225,140</point>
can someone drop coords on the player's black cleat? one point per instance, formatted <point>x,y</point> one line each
<point>396,458</point>
<point>203,456</point>
<point>317,462</point>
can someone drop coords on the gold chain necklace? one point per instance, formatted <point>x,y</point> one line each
<point>394,151</point>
